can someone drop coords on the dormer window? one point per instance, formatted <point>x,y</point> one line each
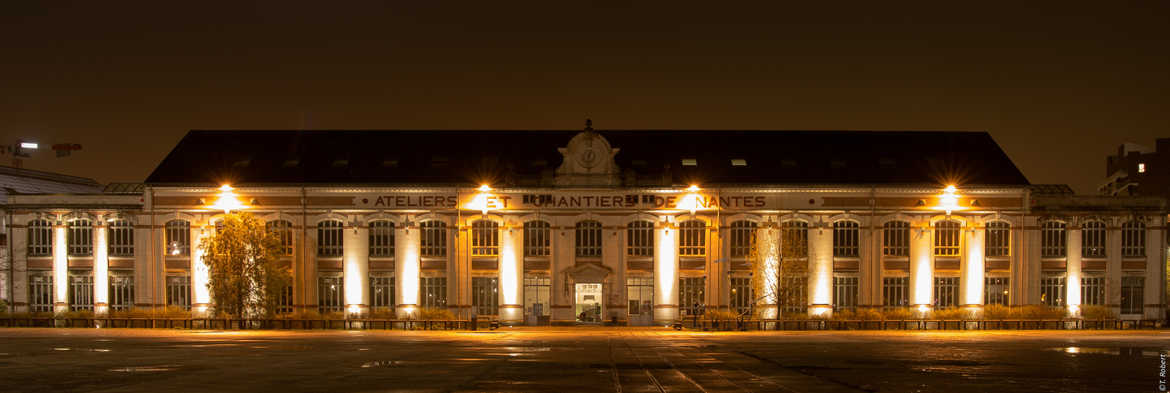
<point>340,163</point>
<point>690,162</point>
<point>389,163</point>
<point>1141,167</point>
<point>738,162</point>
<point>438,161</point>
<point>292,163</point>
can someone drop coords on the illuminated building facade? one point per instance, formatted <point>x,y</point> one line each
<point>637,227</point>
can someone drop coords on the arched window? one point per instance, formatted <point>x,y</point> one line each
<point>40,238</point>
<point>896,239</point>
<point>121,241</point>
<point>640,239</point>
<point>588,239</point>
<point>1133,239</point>
<point>1093,239</point>
<point>330,242</point>
<point>998,239</point>
<point>743,238</point>
<point>178,238</point>
<point>1052,239</point>
<point>381,239</point>
<point>537,236</point>
<point>692,238</point>
<point>794,240</point>
<point>846,239</point>
<point>283,231</point>
<point>433,238</point>
<point>946,238</point>
<point>485,238</point>
<point>80,237</point>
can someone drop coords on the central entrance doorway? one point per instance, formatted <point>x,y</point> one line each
<point>588,303</point>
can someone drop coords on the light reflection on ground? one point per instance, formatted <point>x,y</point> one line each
<point>579,359</point>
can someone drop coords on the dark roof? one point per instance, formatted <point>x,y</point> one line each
<point>528,158</point>
<point>27,181</point>
<point>123,188</point>
<point>1051,190</point>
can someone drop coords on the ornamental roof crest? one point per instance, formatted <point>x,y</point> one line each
<point>588,161</point>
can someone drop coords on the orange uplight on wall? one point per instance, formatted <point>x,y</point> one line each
<point>690,201</point>
<point>949,200</point>
<point>227,200</point>
<point>480,202</point>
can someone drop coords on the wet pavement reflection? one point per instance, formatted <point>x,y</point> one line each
<point>579,359</point>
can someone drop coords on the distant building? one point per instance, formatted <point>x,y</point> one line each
<point>1138,170</point>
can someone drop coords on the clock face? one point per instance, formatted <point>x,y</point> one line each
<point>587,158</point>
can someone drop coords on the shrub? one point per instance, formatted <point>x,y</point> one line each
<point>720,315</point>
<point>1097,312</point>
<point>996,311</point>
<point>435,314</point>
<point>383,313</point>
<point>1040,312</point>
<point>900,313</point>
<point>951,314</point>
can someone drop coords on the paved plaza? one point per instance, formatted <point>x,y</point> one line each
<point>579,359</point>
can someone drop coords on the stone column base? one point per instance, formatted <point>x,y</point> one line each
<point>357,311</point>
<point>665,314</point>
<point>921,310</point>
<point>406,311</point>
<point>820,310</point>
<point>511,314</point>
<point>973,310</point>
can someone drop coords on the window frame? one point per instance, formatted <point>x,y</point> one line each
<point>40,238</point>
<point>692,238</point>
<point>121,238</point>
<point>177,234</point>
<point>382,236</point>
<point>846,239</point>
<point>432,238</point>
<point>537,238</point>
<point>283,231</point>
<point>1133,239</point>
<point>742,236</point>
<point>330,238</point>
<point>485,238</point>
<point>640,239</point>
<point>1053,239</point>
<point>948,238</point>
<point>1094,239</point>
<point>896,238</point>
<point>997,239</point>
<point>846,289</point>
<point>79,237</point>
<point>588,241</point>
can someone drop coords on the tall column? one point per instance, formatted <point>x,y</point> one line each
<point>60,268</point>
<point>1154,290</point>
<point>101,268</point>
<point>718,291</point>
<point>511,266</point>
<point>1113,270</point>
<point>921,268</point>
<point>768,251</point>
<point>356,270</point>
<point>18,262</point>
<point>406,271</point>
<point>1072,277</point>
<point>200,276</point>
<point>820,270</point>
<point>973,270</point>
<point>865,267</point>
<point>665,274</point>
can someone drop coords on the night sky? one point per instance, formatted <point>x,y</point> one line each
<point>1058,85</point>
